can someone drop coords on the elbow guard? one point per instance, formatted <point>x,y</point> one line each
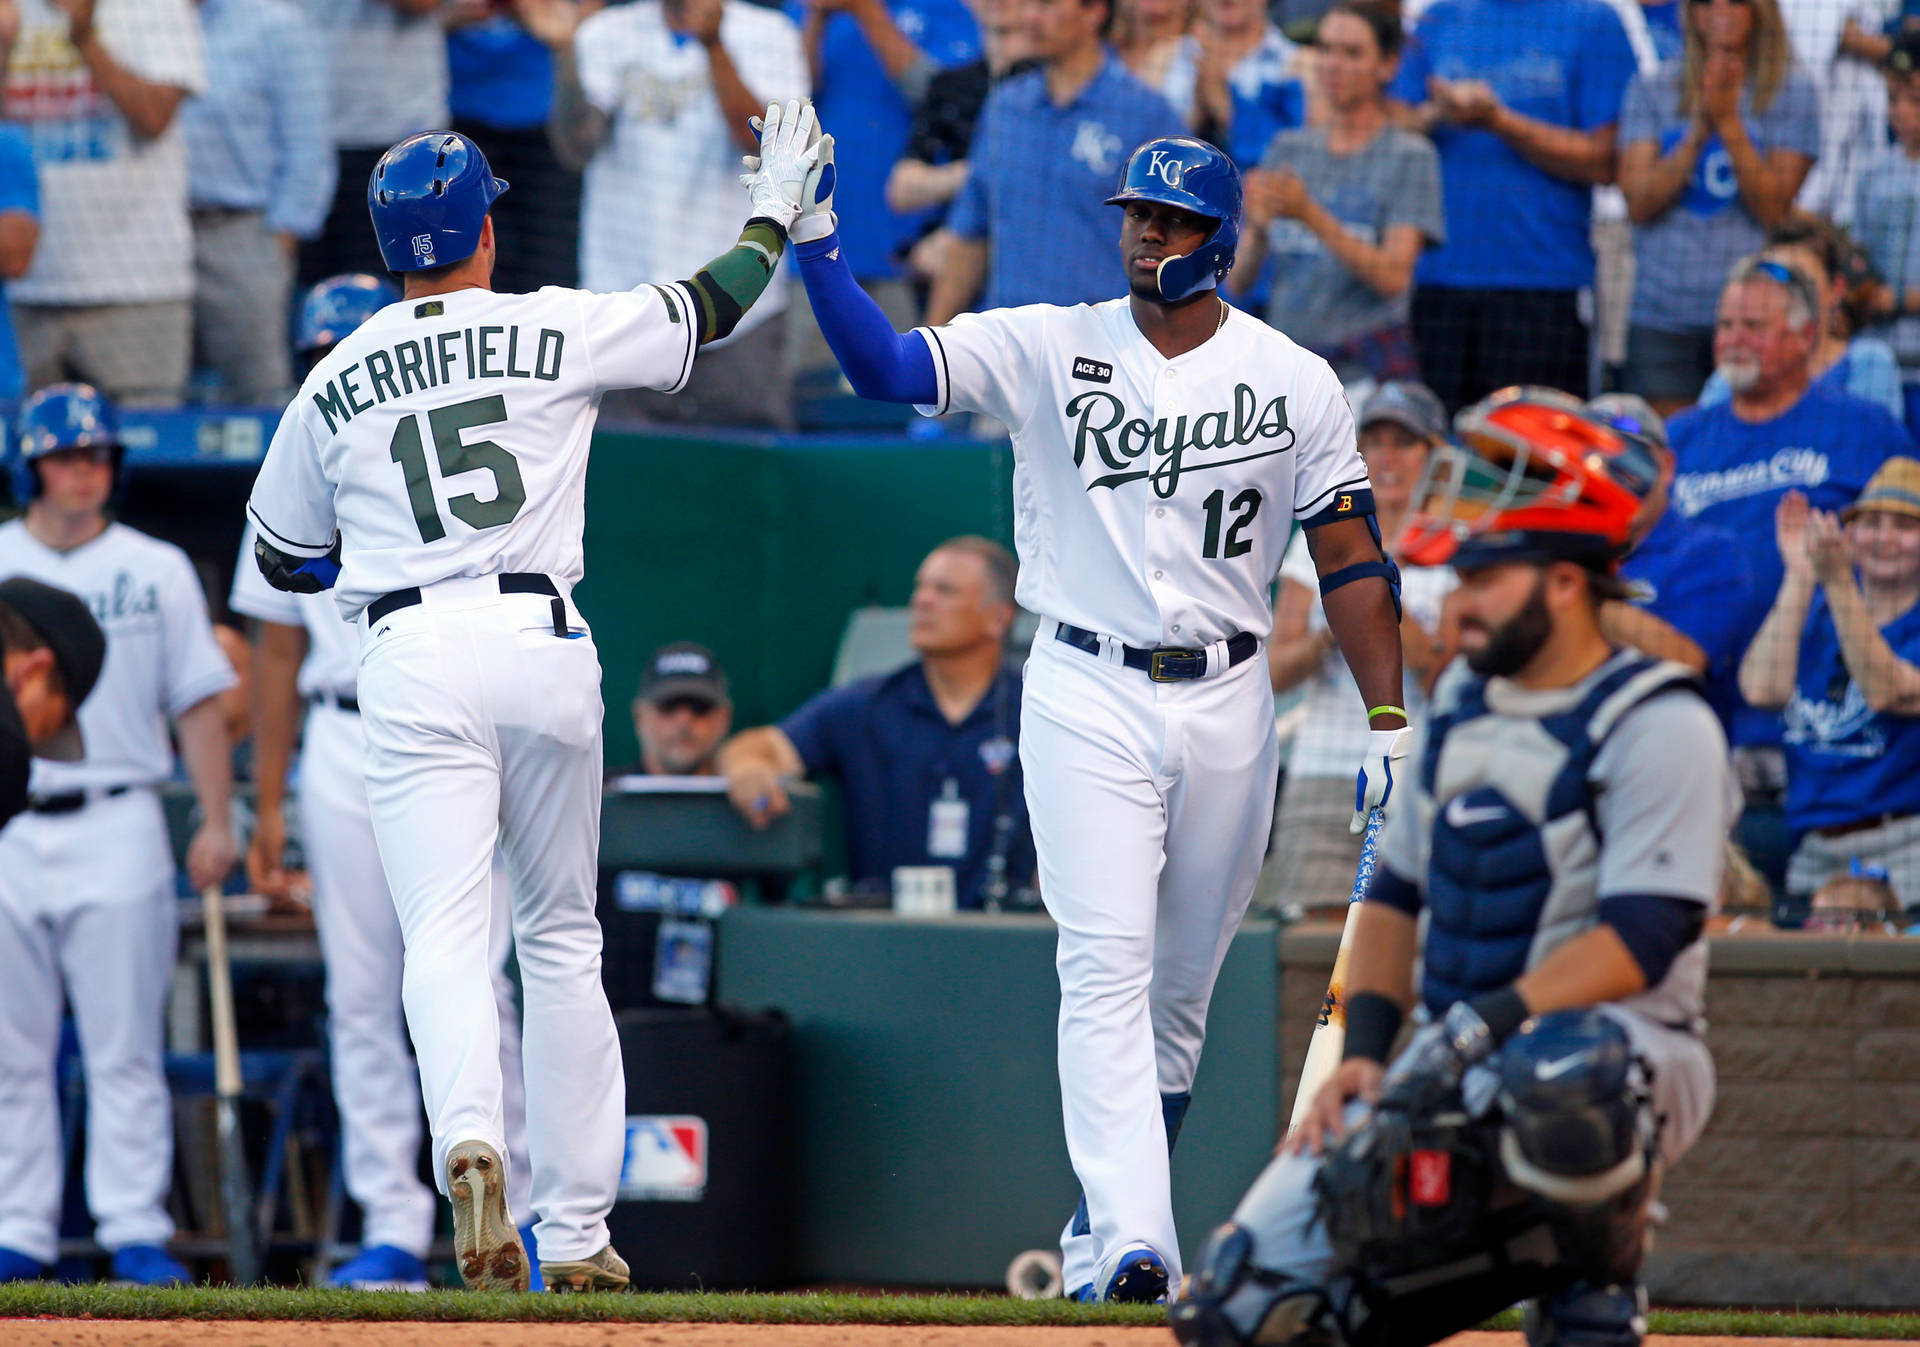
<point>297,575</point>
<point>1385,568</point>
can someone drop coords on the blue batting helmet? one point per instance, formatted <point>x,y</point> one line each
<point>62,416</point>
<point>1193,175</point>
<point>336,306</point>
<point>428,196</point>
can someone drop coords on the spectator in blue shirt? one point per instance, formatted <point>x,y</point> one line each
<point>926,757</point>
<point>1862,365</point>
<point>1840,651</point>
<point>500,91</point>
<point>19,232</point>
<point>873,61</point>
<point>260,168</point>
<point>1886,218</point>
<point>1047,152</point>
<point>1521,98</point>
<point>1780,432</point>
<point>1713,147</point>
<point>1690,589</point>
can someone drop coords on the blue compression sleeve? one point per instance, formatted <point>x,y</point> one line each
<point>880,363</point>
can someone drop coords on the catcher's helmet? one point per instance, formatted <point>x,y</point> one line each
<point>62,416</point>
<point>1193,175</point>
<point>1535,477</point>
<point>428,196</point>
<point>336,306</point>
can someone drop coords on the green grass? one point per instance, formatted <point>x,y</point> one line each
<point>50,1300</point>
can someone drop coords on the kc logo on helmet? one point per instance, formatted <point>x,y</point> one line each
<point>1165,166</point>
<point>423,248</point>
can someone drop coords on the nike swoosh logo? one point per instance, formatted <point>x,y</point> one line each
<point>1461,815</point>
<point>1555,1070</point>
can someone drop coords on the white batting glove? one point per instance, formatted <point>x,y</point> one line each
<point>1375,782</point>
<point>776,178</point>
<point>817,219</point>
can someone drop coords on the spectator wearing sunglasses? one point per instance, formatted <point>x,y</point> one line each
<point>1713,146</point>
<point>681,714</point>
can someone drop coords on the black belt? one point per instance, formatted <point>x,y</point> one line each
<point>1162,663</point>
<point>340,699</point>
<point>511,582</point>
<point>71,801</point>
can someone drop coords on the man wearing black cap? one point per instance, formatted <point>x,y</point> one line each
<point>52,650</point>
<point>681,714</point>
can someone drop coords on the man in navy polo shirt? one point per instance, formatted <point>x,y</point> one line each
<point>1046,153</point>
<point>927,756</point>
<point>1780,432</point>
<point>1522,98</point>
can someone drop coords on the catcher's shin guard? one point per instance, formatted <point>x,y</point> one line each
<point>1234,1303</point>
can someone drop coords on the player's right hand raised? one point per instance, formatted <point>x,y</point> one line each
<point>1325,1120</point>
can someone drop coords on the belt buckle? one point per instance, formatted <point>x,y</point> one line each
<point>1157,658</point>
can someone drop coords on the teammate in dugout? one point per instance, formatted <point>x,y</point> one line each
<point>308,652</point>
<point>1164,446</point>
<point>1543,883</point>
<point>479,684</point>
<point>86,874</point>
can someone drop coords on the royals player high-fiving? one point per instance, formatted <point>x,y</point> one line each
<point>1164,445</point>
<point>440,454</point>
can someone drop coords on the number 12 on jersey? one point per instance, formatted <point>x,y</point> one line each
<point>1245,506</point>
<point>458,456</point>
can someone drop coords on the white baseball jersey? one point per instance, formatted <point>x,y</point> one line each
<point>1153,498</point>
<point>332,664</point>
<point>161,656</point>
<point>440,421</point>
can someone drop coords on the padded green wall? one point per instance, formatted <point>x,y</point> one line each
<point>760,548</point>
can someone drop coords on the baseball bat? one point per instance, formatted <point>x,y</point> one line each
<point>236,1183</point>
<point>1330,1031</point>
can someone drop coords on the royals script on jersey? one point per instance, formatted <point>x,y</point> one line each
<point>448,436</point>
<point>1153,498</point>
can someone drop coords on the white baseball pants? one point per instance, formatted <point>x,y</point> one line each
<point>483,726</point>
<point>1151,806</point>
<point>374,1082</point>
<point>87,907</point>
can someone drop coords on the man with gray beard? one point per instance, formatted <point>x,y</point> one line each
<point>1780,432</point>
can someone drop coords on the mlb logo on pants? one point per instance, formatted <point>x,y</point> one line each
<point>666,1159</point>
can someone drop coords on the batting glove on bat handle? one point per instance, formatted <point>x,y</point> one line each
<point>789,140</point>
<point>1374,785</point>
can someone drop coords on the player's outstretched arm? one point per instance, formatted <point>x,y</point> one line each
<point>879,362</point>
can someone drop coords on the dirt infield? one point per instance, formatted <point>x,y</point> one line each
<point>180,1333</point>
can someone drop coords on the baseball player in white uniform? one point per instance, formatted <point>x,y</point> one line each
<point>432,469</point>
<point>1164,444</point>
<point>86,874</point>
<point>305,651</point>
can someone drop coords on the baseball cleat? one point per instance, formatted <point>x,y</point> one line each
<point>381,1267</point>
<point>148,1265</point>
<point>485,1243</point>
<point>1136,1276</point>
<point>605,1271</point>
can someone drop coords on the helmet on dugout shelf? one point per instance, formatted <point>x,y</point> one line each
<point>62,416</point>
<point>428,196</point>
<point>336,306</point>
<point>1193,175</point>
<point>1535,477</point>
